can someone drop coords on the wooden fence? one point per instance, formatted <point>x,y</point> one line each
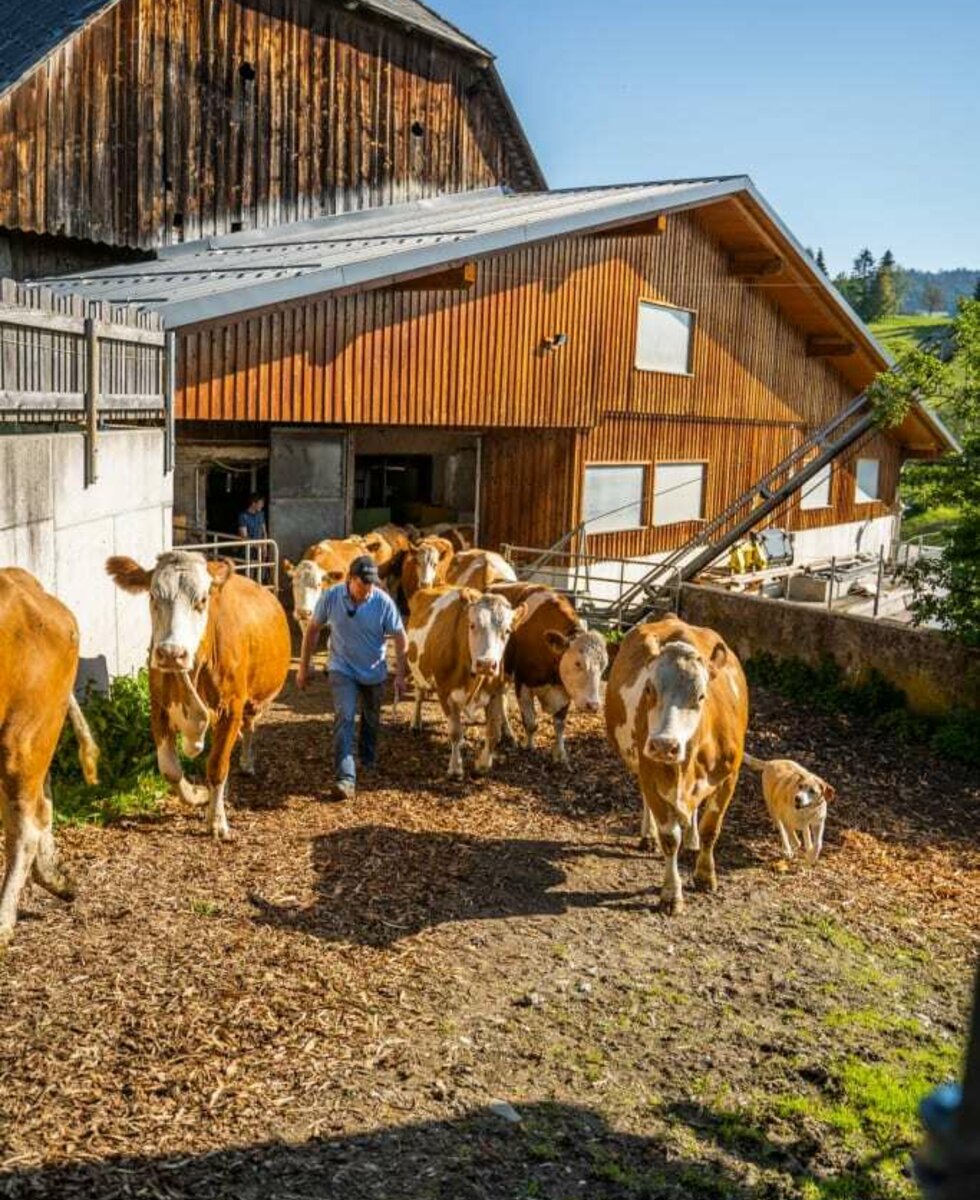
<point>68,361</point>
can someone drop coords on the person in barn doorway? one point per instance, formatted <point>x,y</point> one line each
<point>252,528</point>
<point>360,617</point>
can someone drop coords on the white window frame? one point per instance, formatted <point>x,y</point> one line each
<point>810,495</point>
<point>686,462</point>
<point>649,302</point>
<point>643,468</point>
<point>860,495</point>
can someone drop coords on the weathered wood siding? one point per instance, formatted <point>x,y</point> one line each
<point>166,120</point>
<point>475,360</point>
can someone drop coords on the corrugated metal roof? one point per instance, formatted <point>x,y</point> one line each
<point>239,271</point>
<point>32,30</point>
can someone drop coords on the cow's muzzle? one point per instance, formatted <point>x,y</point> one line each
<point>589,706</point>
<point>485,666</point>
<point>664,749</point>
<point>170,657</point>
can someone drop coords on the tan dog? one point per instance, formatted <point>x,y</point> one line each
<point>797,802</point>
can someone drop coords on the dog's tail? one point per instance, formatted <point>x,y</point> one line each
<point>754,764</point>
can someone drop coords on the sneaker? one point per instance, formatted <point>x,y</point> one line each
<point>342,790</point>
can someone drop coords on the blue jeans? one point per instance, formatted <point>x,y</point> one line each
<point>345,692</point>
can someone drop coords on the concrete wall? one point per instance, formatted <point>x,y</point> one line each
<point>61,531</point>
<point>935,672</point>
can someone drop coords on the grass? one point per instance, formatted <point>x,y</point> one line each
<point>930,520</point>
<point>911,332</point>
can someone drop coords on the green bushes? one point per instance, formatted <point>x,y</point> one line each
<point>128,779</point>
<point>874,699</point>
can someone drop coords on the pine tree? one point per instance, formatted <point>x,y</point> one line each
<point>883,293</point>
<point>976,289</point>
<point>863,277</point>
<point>932,297</point>
<point>822,262</point>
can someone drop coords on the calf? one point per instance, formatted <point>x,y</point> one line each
<point>676,712</point>
<point>479,569</point>
<point>38,662</point>
<point>456,643</point>
<point>219,651</point>
<point>553,658</point>
<point>425,566</point>
<point>797,803</point>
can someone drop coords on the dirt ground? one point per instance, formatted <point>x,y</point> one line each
<point>335,1003</point>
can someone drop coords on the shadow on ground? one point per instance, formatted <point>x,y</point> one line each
<point>556,1152</point>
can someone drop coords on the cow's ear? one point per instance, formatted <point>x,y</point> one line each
<point>557,642</point>
<point>520,613</point>
<point>333,577</point>
<point>719,656</point>
<point>128,574</point>
<point>288,567</point>
<point>221,570</point>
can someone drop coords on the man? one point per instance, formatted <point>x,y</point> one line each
<point>360,616</point>
<point>251,527</point>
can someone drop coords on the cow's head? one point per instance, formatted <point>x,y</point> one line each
<point>307,579</point>
<point>677,687</point>
<point>378,546</point>
<point>430,554</point>
<point>582,661</point>
<point>180,587</point>
<point>490,622</point>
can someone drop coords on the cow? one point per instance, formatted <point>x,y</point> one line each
<point>388,545</point>
<point>553,658</point>
<point>479,569</point>
<point>39,657</point>
<point>219,652</point>
<point>425,566</point>
<point>462,537</point>
<point>456,643</point>
<point>677,708</point>
<point>323,564</point>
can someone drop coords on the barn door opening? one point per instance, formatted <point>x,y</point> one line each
<point>307,488</point>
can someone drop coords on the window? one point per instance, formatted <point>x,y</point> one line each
<point>663,338</point>
<point>678,493</point>
<point>613,498</point>
<point>866,474</point>
<point>815,493</point>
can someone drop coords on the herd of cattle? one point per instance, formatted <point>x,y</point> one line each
<point>676,702</point>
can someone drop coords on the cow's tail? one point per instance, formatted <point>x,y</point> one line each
<point>754,764</point>
<point>88,751</point>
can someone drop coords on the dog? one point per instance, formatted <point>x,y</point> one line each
<point>797,802</point>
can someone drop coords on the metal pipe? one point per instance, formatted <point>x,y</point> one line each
<point>830,585</point>
<point>881,571</point>
<point>91,401</point>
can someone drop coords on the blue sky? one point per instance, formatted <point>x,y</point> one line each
<point>859,121</point>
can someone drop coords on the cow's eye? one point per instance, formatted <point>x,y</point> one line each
<point>201,605</point>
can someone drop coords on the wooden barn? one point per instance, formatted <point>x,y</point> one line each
<point>379,310</point>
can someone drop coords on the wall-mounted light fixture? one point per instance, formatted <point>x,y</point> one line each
<point>555,342</point>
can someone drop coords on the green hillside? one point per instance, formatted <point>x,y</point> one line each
<point>906,333</point>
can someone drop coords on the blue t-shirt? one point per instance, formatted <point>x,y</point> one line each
<point>358,632</point>
<point>252,523</point>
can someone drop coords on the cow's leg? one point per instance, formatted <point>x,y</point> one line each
<point>560,753</point>
<point>715,808</point>
<point>46,870</point>
<point>219,763</point>
<point>529,718</point>
<point>671,893</point>
<point>789,848</point>
<point>246,759</point>
<point>816,845</point>
<point>492,725</point>
<point>417,710</point>
<point>691,839</point>
<point>648,828</point>
<point>21,836</point>
<point>173,772</point>
<point>455,742</point>
<point>506,730</point>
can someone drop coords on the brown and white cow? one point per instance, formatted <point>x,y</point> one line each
<point>456,643</point>
<point>552,658</point>
<point>388,546</point>
<point>461,537</point>
<point>479,569</point>
<point>38,662</point>
<point>219,652</point>
<point>323,564</point>
<point>677,708</point>
<point>425,566</point>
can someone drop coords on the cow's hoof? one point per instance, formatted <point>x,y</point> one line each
<point>6,934</point>
<point>62,886</point>
<point>247,769</point>
<point>221,833</point>
<point>705,882</point>
<point>672,905</point>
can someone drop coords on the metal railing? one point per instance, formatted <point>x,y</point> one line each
<point>256,558</point>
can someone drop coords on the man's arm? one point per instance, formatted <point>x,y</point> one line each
<point>306,653</point>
